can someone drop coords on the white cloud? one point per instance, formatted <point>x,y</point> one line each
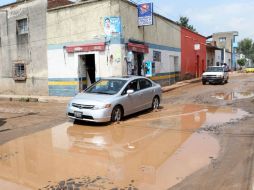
<point>235,16</point>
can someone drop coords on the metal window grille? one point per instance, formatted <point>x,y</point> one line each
<point>157,56</point>
<point>22,26</point>
<point>19,71</point>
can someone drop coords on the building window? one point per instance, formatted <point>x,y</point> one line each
<point>22,26</point>
<point>157,56</point>
<point>222,39</point>
<point>19,71</point>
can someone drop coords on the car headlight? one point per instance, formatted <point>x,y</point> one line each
<point>204,76</point>
<point>219,76</point>
<point>98,107</point>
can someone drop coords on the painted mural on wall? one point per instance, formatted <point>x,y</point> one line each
<point>112,26</point>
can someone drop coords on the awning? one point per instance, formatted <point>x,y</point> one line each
<point>86,47</point>
<point>138,48</point>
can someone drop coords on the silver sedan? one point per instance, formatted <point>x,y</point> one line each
<point>111,99</point>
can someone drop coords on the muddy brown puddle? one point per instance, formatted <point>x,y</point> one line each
<point>233,95</point>
<point>153,151</point>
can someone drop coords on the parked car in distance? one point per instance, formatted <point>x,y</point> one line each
<point>111,99</point>
<point>215,74</point>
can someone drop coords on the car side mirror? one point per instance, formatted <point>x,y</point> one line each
<point>130,91</point>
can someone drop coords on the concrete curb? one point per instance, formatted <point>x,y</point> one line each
<point>57,99</point>
<point>41,99</point>
<point>180,84</point>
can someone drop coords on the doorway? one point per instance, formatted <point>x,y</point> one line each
<point>176,68</point>
<point>197,67</point>
<point>86,71</point>
<point>138,62</point>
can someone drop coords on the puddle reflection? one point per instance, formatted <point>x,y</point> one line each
<point>153,151</point>
<point>233,95</point>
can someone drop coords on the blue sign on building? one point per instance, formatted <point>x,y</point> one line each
<point>145,14</point>
<point>148,68</point>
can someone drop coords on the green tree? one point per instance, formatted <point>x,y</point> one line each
<point>184,21</point>
<point>241,62</point>
<point>246,47</point>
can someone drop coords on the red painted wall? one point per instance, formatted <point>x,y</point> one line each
<point>193,62</point>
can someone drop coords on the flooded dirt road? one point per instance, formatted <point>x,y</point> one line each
<point>154,151</point>
<point>194,141</point>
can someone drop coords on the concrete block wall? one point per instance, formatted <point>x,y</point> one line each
<point>33,51</point>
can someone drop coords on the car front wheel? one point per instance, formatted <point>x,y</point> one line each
<point>156,102</point>
<point>117,114</point>
<point>222,81</point>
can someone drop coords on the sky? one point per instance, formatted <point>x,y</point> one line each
<point>207,16</point>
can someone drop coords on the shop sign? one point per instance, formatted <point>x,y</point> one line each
<point>196,46</point>
<point>138,48</point>
<point>145,14</point>
<point>86,48</point>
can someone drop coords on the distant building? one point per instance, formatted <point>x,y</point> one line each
<point>227,42</point>
<point>211,54</point>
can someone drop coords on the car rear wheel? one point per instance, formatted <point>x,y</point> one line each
<point>117,114</point>
<point>156,102</point>
<point>204,82</point>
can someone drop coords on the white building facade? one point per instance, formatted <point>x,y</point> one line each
<point>95,39</point>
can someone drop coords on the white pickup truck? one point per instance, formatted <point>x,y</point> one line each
<point>215,74</point>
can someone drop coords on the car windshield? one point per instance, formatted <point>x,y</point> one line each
<point>214,69</point>
<point>106,86</point>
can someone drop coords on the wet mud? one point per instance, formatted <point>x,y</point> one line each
<point>155,150</point>
<point>233,95</point>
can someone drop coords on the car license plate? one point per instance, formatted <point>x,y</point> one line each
<point>78,114</point>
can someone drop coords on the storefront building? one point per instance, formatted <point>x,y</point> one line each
<point>193,47</point>
<point>94,39</point>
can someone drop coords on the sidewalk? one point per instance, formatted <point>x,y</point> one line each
<point>43,99</point>
<point>60,99</point>
<point>180,84</point>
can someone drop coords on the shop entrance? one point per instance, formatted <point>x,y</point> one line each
<point>86,70</point>
<point>138,63</point>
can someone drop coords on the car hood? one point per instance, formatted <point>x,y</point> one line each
<point>92,99</point>
<point>212,73</point>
